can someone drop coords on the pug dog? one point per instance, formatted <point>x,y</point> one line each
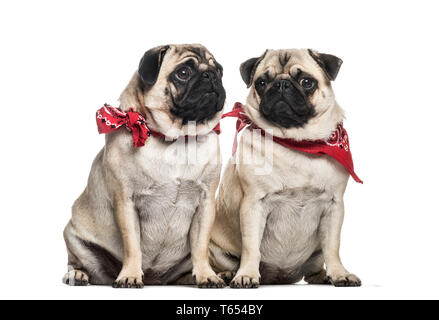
<point>283,226</point>
<point>146,214</point>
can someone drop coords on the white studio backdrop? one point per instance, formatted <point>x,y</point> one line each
<point>61,60</point>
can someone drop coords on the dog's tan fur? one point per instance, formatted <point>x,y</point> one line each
<point>147,213</point>
<point>285,224</point>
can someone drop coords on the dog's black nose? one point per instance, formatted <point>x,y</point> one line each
<point>206,74</point>
<point>282,85</point>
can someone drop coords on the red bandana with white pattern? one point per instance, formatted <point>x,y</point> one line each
<point>110,119</point>
<point>336,146</point>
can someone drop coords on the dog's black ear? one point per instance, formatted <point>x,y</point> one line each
<point>329,63</point>
<point>150,64</point>
<point>248,69</point>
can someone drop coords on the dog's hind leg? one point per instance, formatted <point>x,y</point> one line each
<point>313,270</point>
<point>76,275</point>
<point>87,262</point>
<point>185,280</point>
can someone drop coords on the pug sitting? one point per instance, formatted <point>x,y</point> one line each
<point>284,225</point>
<point>147,211</point>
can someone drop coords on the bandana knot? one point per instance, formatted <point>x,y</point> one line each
<point>110,119</point>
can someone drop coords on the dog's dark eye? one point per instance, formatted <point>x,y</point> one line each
<point>184,73</point>
<point>260,84</point>
<point>307,83</point>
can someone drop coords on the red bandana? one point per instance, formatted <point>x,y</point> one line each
<point>337,146</point>
<point>110,119</point>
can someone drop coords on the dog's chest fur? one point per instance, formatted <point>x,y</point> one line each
<point>295,195</point>
<point>168,186</point>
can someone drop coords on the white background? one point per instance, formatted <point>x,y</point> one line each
<point>61,60</point>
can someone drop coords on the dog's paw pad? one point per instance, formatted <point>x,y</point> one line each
<point>76,278</point>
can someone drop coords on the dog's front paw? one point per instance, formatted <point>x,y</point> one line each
<point>345,280</point>
<point>127,280</point>
<point>76,278</point>
<point>245,280</point>
<point>208,279</point>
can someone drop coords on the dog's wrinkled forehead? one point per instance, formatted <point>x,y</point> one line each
<point>199,54</point>
<point>284,63</point>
